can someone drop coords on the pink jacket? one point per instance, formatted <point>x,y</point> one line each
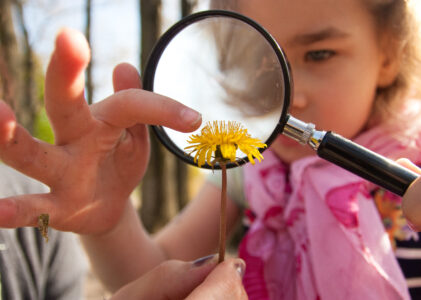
<point>317,234</point>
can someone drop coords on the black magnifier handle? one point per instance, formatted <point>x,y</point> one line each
<point>352,157</point>
<point>365,163</point>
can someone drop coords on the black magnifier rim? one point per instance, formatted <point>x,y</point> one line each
<point>153,60</point>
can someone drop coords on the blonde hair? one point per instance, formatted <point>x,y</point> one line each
<point>397,23</point>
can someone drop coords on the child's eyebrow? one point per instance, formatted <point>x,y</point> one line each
<point>313,37</point>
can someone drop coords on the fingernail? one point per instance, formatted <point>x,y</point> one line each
<point>191,116</point>
<point>240,267</point>
<point>203,260</point>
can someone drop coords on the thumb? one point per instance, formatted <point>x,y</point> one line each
<point>409,165</point>
<point>224,282</point>
<point>7,123</point>
<point>170,280</point>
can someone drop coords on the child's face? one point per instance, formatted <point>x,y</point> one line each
<point>336,63</point>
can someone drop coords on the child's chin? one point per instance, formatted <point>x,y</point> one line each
<point>291,153</point>
<point>286,141</point>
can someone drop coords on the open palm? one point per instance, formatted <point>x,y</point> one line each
<point>100,152</point>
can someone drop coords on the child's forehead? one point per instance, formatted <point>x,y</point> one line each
<point>277,12</point>
<point>285,18</point>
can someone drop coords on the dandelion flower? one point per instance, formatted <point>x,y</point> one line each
<point>218,141</point>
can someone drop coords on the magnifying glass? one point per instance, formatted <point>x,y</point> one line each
<point>227,67</point>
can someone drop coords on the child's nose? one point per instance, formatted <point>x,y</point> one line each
<point>299,100</point>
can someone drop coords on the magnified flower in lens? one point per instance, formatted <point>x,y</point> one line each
<point>218,141</point>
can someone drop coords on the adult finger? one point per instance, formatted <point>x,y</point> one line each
<point>7,123</point>
<point>21,151</point>
<point>125,76</point>
<point>64,86</point>
<point>225,282</point>
<point>23,210</point>
<point>170,280</point>
<point>126,108</point>
<point>409,165</point>
<point>411,205</point>
<point>131,106</point>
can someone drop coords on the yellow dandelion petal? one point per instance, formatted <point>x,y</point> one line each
<point>209,155</point>
<point>195,158</point>
<point>202,159</point>
<point>221,140</point>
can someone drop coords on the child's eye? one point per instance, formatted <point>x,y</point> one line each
<point>319,55</point>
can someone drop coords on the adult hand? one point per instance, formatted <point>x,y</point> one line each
<point>185,280</point>
<point>411,200</point>
<point>100,152</point>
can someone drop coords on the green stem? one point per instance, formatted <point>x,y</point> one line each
<point>223,215</point>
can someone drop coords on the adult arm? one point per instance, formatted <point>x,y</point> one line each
<point>129,251</point>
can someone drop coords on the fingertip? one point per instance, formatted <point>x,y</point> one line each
<point>65,79</point>
<point>8,212</point>
<point>126,76</point>
<point>190,118</point>
<point>209,259</point>
<point>72,51</point>
<point>7,123</point>
<point>405,162</point>
<point>411,205</point>
<point>240,267</point>
<point>234,265</point>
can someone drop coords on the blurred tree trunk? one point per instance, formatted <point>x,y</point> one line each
<point>89,82</point>
<point>154,187</point>
<point>181,168</point>
<point>164,189</point>
<point>29,104</point>
<point>187,7</point>
<point>9,57</point>
<point>17,66</point>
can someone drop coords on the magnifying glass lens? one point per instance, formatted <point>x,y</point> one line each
<point>227,70</point>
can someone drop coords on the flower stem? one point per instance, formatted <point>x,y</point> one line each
<point>223,215</point>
